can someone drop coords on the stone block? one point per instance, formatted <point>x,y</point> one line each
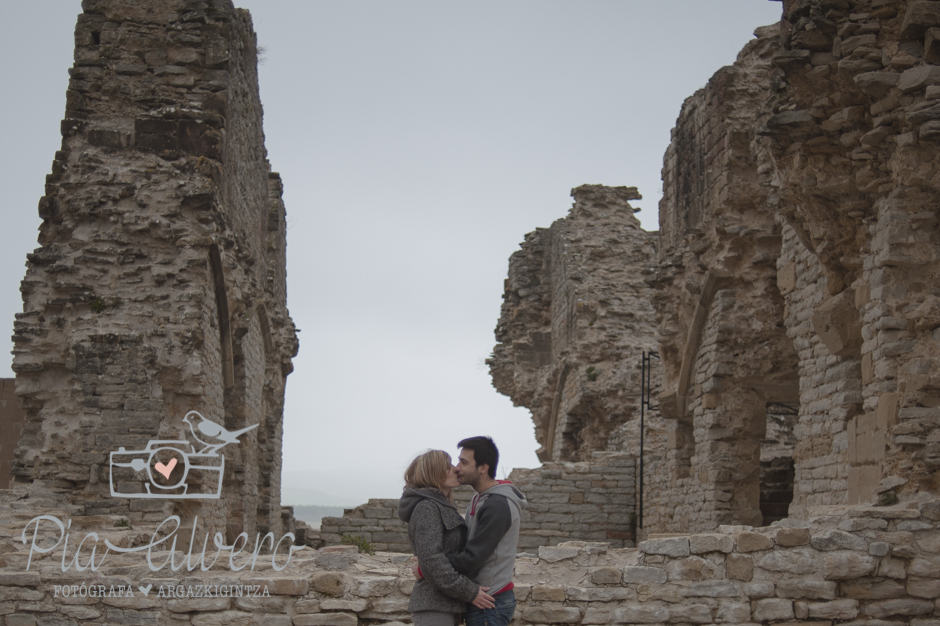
<point>606,576</point>
<point>388,605</point>
<point>838,325</point>
<point>702,544</point>
<point>691,614</point>
<point>901,606</point>
<point>771,609</point>
<point>844,565</point>
<point>644,575</point>
<point>603,594</point>
<point>713,589</point>
<point>553,554</point>
<point>837,609</point>
<point>739,567</point>
<point>807,588</point>
<point>545,593</point>
<point>862,483</point>
<point>596,616</point>
<point>918,78</point>
<point>789,537</point>
<point>786,278</point>
<point>920,16</point>
<point>672,546</point>
<point>923,587</point>
<point>796,561</point>
<point>376,586</point>
<point>641,613</point>
<point>222,618</point>
<point>758,590</point>
<point>746,541</point>
<point>356,606</point>
<point>733,612</point>
<point>552,615</point>
<point>329,583</point>
<point>834,539</point>
<point>877,83</point>
<point>198,604</point>
<point>326,619</point>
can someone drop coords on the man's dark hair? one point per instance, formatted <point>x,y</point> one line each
<point>484,451</point>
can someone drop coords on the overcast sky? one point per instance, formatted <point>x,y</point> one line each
<point>418,143</point>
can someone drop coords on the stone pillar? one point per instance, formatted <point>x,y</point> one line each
<point>159,286</point>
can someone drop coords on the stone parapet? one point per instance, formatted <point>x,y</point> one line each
<point>859,565</point>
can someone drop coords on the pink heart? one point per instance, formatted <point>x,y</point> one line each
<point>166,469</point>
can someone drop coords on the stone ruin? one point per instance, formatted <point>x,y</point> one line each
<point>786,466</point>
<point>159,286</point>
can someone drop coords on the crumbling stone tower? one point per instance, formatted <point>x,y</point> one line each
<point>575,322</point>
<point>159,284</point>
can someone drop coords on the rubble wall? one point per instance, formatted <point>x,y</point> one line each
<point>584,501</point>
<point>159,286</point>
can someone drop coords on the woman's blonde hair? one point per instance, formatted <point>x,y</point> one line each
<point>428,471</point>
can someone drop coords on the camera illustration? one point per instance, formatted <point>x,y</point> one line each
<point>175,468</point>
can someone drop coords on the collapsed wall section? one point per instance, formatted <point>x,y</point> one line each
<point>575,322</point>
<point>159,286</point>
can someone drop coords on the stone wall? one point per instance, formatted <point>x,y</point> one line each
<point>820,143</point>
<point>869,566</point>
<point>575,321</point>
<point>11,423</point>
<point>587,501</point>
<point>159,286</point>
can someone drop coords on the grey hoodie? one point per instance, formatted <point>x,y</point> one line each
<point>490,555</point>
<point>435,529</point>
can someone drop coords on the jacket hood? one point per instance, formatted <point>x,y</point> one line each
<point>410,498</point>
<point>509,491</point>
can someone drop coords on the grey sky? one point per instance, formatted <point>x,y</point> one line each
<point>418,143</point>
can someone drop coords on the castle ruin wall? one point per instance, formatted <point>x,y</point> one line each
<point>159,286</point>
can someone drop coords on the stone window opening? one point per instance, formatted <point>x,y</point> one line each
<point>776,461</point>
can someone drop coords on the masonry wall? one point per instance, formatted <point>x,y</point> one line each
<point>159,284</point>
<point>584,501</point>
<point>725,354</point>
<point>860,565</point>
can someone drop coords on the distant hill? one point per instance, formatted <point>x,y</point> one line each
<point>313,514</point>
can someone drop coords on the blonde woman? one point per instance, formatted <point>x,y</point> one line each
<point>436,529</point>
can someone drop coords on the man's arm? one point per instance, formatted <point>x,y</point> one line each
<point>494,518</point>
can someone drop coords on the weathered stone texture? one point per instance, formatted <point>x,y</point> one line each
<point>575,582</point>
<point>160,283</point>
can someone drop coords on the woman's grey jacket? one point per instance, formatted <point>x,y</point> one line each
<point>435,528</point>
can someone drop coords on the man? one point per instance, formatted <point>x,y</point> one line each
<point>493,519</point>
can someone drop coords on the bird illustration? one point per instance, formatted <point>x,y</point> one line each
<point>208,428</point>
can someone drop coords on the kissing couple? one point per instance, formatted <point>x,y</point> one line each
<point>464,564</point>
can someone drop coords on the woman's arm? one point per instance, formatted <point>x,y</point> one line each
<point>428,531</point>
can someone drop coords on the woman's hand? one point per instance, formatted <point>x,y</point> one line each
<point>483,600</point>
